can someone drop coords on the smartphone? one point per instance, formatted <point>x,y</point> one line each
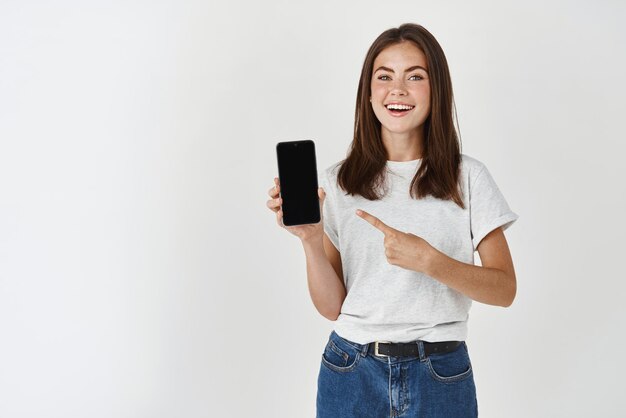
<point>297,173</point>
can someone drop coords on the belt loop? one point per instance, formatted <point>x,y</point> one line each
<point>364,349</point>
<point>420,350</point>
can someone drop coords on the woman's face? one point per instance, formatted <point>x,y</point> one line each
<point>400,88</point>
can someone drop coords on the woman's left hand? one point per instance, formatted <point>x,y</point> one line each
<point>402,249</point>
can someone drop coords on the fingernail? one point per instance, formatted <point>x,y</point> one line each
<point>359,212</point>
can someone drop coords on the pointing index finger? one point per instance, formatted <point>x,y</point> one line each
<point>377,223</point>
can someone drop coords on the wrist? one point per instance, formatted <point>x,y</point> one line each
<point>431,261</point>
<point>313,243</point>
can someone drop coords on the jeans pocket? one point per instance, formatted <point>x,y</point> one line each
<point>340,356</point>
<point>450,367</point>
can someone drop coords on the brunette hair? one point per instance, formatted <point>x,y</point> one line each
<point>363,170</point>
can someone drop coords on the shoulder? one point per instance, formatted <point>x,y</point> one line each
<point>471,163</point>
<point>471,167</point>
<point>328,175</point>
<point>333,168</point>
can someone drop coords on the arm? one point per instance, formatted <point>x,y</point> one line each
<point>494,283</point>
<point>324,276</point>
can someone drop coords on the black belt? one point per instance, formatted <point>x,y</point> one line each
<point>388,349</point>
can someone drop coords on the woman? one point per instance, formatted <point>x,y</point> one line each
<point>392,260</point>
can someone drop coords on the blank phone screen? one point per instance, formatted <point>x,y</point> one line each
<point>297,173</point>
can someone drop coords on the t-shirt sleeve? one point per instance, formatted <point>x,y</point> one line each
<point>329,210</point>
<point>488,208</point>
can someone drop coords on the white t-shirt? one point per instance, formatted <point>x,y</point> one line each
<point>385,302</point>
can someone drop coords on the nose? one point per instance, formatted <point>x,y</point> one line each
<point>398,87</point>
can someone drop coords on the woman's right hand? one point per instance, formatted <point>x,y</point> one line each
<point>309,232</point>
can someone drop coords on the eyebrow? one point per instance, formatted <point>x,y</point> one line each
<point>415,67</point>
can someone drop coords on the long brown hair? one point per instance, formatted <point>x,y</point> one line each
<point>363,170</point>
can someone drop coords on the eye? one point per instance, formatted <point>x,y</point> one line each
<point>416,75</point>
<point>382,77</point>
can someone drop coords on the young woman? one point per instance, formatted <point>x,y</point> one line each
<point>392,260</point>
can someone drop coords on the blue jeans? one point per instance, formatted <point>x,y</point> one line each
<point>354,383</point>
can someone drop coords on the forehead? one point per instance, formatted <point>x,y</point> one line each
<point>403,54</point>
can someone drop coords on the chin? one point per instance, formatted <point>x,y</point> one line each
<point>401,130</point>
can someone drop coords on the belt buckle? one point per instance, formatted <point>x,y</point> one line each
<point>376,348</point>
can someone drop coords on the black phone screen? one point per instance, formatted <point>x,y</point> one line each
<point>297,173</point>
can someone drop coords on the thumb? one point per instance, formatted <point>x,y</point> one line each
<point>322,195</point>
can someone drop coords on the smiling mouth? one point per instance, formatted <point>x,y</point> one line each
<point>398,109</point>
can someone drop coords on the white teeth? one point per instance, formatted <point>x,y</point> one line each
<point>399,107</point>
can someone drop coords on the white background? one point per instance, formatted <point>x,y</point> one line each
<point>141,273</point>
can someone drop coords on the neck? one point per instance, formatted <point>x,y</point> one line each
<point>404,146</point>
